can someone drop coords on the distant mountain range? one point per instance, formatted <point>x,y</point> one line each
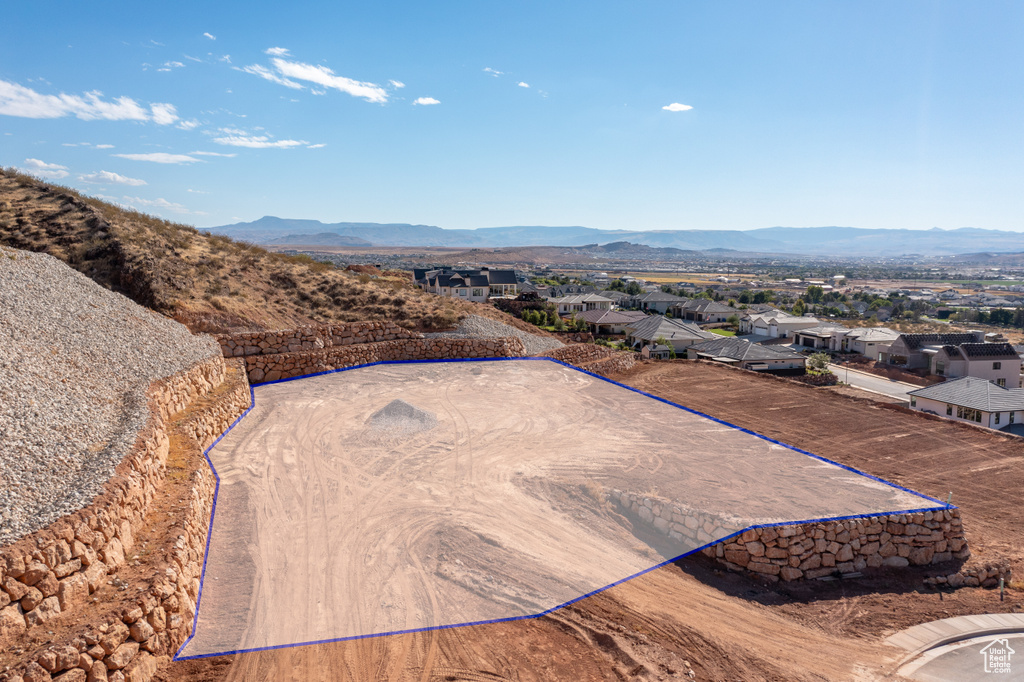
<point>833,241</point>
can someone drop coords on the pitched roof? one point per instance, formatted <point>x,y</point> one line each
<point>988,350</point>
<point>915,341</point>
<point>655,326</point>
<point>658,296</point>
<point>873,334</point>
<point>975,393</point>
<point>501,276</point>
<point>600,316</point>
<point>824,329</point>
<point>583,298</point>
<point>741,349</point>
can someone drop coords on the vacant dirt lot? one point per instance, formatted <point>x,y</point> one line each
<point>724,627</point>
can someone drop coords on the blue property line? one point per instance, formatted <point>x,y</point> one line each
<point>252,393</point>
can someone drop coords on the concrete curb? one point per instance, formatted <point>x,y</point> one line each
<point>922,638</point>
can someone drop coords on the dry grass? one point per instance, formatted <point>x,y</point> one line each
<point>209,282</point>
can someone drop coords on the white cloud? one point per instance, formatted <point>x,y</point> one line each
<point>225,58</point>
<point>229,156</point>
<point>159,157</point>
<point>107,178</point>
<point>193,59</point>
<point>174,65</point>
<point>316,146</point>
<point>190,124</point>
<point>257,142</point>
<point>494,72</point>
<point>211,37</point>
<point>397,84</point>
<point>196,191</point>
<point>17,100</point>
<point>104,146</point>
<point>135,202</point>
<point>426,100</point>
<point>676,106</point>
<point>323,76</point>
<point>277,51</point>
<point>523,85</point>
<point>164,114</point>
<point>47,171</point>
<point>264,72</point>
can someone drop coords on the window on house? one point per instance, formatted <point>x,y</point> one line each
<point>959,412</point>
<point>949,410</point>
<point>1013,417</point>
<point>913,401</point>
<point>997,365</point>
<point>997,417</point>
<point>462,292</point>
<point>940,368</point>
<point>1001,382</point>
<point>478,292</point>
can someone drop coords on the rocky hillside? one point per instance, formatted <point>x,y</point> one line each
<point>210,283</point>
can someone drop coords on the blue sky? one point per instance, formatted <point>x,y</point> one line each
<point>477,114</point>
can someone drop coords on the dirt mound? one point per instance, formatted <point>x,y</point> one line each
<point>401,417</point>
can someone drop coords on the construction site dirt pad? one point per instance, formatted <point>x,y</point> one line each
<point>410,496</point>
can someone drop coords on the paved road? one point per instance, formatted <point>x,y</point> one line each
<point>964,661</point>
<point>872,382</point>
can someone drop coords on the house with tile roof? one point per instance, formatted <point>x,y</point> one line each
<point>604,322</point>
<point>581,303</point>
<point>703,311</point>
<point>908,350</point>
<point>868,341</point>
<point>745,355</point>
<point>996,362</point>
<point>654,302</point>
<point>467,285</point>
<point>974,400</point>
<point>775,324</point>
<point>677,333</point>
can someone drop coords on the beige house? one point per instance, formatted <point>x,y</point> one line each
<point>995,362</point>
<point>974,400</point>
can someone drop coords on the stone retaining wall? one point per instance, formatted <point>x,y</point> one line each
<point>263,368</point>
<point>59,567</point>
<point>807,551</point>
<point>310,338</point>
<point>599,360</point>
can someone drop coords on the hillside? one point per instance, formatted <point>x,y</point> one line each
<point>208,282</point>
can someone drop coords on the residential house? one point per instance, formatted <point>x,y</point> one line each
<point>973,400</point>
<point>571,305</point>
<point>868,341</point>
<point>654,302</point>
<point>619,298</point>
<point>676,332</point>
<point>602,322</point>
<point>907,350</point>
<point>659,352</point>
<point>467,285</point>
<point>775,324</point>
<point>995,362</point>
<point>818,338</point>
<point>741,353</point>
<point>563,290</point>
<point>703,311</point>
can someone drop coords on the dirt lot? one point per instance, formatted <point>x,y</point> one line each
<point>693,616</point>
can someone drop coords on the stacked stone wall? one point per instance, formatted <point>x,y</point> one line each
<point>599,360</point>
<point>807,551</point>
<point>49,576</point>
<point>310,338</point>
<point>263,368</point>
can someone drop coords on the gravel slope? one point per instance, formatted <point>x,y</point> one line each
<point>75,361</point>
<point>476,327</point>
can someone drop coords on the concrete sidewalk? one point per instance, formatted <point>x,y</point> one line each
<point>921,638</point>
<point>873,382</point>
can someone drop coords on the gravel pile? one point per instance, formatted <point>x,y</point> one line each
<point>75,362</point>
<point>476,327</point>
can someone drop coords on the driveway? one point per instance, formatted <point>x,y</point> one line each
<point>873,382</point>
